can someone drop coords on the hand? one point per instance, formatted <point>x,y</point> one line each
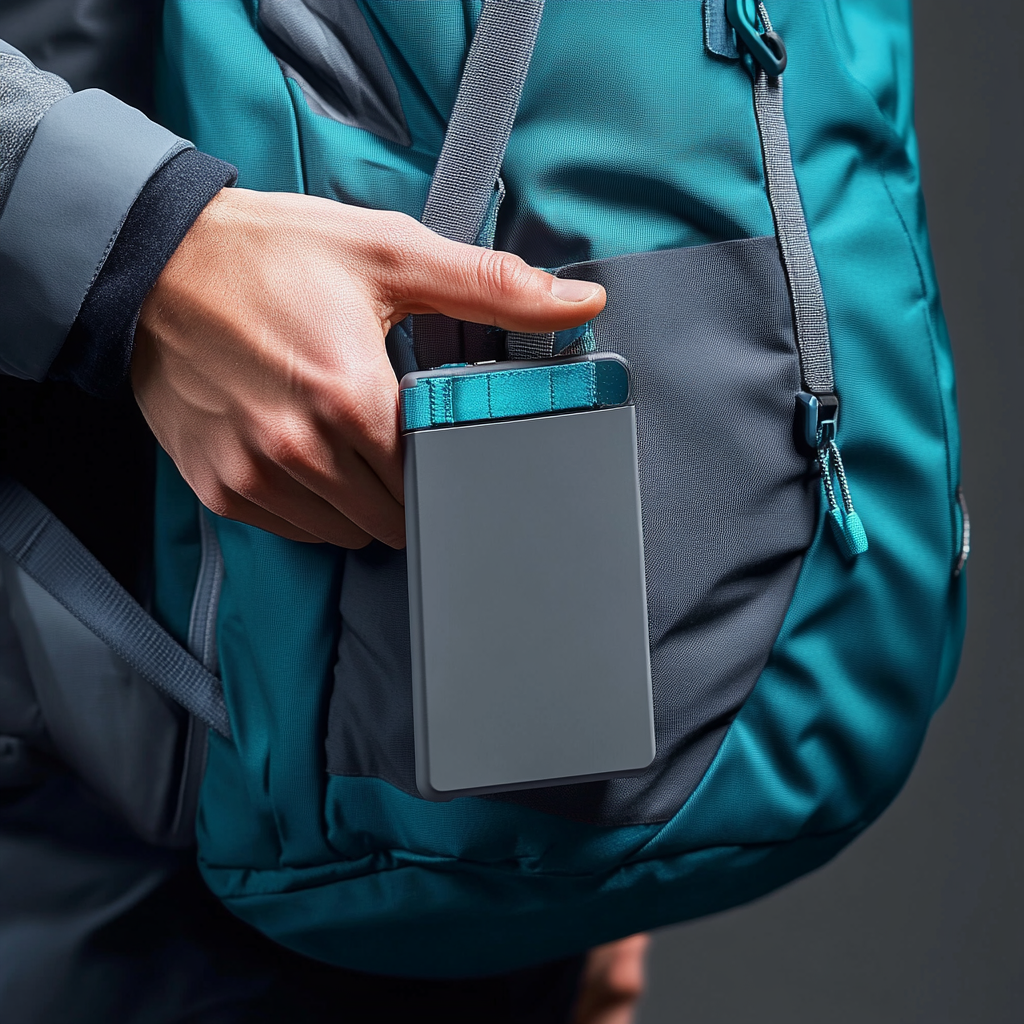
<point>259,358</point>
<point>613,982</point>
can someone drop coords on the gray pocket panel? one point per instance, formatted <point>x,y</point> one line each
<point>728,506</point>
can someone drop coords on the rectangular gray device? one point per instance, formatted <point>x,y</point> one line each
<point>527,600</point>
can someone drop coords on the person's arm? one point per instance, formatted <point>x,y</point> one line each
<point>260,361</point>
<point>78,174</point>
<point>258,355</point>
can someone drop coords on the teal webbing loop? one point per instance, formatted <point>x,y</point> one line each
<point>445,400</point>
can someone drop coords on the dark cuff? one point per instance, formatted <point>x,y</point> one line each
<point>98,350</point>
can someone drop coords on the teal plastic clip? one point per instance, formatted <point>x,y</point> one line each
<point>764,46</point>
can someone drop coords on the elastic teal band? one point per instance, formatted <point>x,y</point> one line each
<point>506,394</point>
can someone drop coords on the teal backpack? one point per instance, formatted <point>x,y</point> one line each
<point>769,283</point>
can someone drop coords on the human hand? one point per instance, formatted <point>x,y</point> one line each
<point>613,982</point>
<point>259,357</point>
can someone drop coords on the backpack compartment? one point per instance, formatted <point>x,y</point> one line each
<point>728,506</point>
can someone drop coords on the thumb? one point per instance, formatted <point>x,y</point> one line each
<point>487,286</point>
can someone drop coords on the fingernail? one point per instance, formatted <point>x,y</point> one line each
<point>573,291</point>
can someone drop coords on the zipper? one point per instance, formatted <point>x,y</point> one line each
<point>763,53</point>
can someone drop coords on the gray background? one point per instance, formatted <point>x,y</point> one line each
<point>922,919</point>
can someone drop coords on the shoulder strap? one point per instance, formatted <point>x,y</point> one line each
<point>46,550</point>
<point>464,180</point>
<point>463,188</point>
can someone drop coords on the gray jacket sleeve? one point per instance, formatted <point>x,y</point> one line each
<point>71,166</point>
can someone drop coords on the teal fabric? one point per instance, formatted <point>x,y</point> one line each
<point>442,400</point>
<point>176,554</point>
<point>630,137</point>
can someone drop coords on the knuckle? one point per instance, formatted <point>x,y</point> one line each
<point>220,500</point>
<point>341,413</point>
<point>394,239</point>
<point>347,394</point>
<point>288,447</point>
<point>502,272</point>
<point>402,226</point>
<point>239,484</point>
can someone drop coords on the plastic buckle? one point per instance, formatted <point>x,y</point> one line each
<point>766,49</point>
<point>820,418</point>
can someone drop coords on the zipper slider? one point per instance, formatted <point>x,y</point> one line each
<point>762,46</point>
<point>820,423</point>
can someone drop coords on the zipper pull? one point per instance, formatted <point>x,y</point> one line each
<point>820,414</point>
<point>847,527</point>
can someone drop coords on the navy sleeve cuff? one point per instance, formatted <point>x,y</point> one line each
<point>97,353</point>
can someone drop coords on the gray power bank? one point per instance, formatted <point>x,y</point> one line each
<point>530,653</point>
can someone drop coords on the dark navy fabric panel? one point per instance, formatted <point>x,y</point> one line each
<point>39,544</point>
<point>728,501</point>
<point>97,927</point>
<point>369,729</point>
<point>728,504</point>
<point>68,702</point>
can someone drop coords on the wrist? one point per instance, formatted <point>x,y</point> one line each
<point>97,352</point>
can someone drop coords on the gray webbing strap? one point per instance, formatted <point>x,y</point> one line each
<point>48,552</point>
<point>481,120</point>
<point>812,336</point>
<point>809,315</point>
<point>463,187</point>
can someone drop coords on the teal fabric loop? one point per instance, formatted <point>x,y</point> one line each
<point>447,399</point>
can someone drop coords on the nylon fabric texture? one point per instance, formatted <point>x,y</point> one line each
<point>27,93</point>
<point>352,869</point>
<point>342,74</point>
<point>723,536</point>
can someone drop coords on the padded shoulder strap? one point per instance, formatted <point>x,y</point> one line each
<point>48,552</point>
<point>463,188</point>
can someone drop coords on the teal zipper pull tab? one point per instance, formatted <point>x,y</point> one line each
<point>847,527</point>
<point>819,423</point>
